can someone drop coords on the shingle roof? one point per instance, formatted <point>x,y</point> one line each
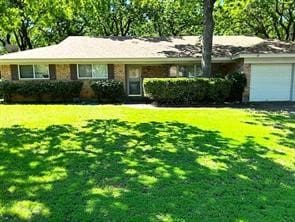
<point>78,47</point>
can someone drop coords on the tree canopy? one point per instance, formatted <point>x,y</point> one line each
<point>33,23</point>
<point>274,19</point>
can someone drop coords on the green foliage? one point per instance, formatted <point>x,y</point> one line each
<point>172,17</point>
<point>219,90</point>
<point>109,91</point>
<point>187,91</point>
<point>39,90</point>
<point>32,23</point>
<point>272,19</point>
<point>239,82</point>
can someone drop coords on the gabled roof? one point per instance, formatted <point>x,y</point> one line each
<point>78,47</point>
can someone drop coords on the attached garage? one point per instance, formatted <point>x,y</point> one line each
<point>272,82</point>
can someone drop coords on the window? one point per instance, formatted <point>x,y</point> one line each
<point>185,71</point>
<point>26,72</point>
<point>33,71</point>
<point>41,71</point>
<point>173,71</point>
<point>100,71</point>
<point>92,71</point>
<point>85,71</point>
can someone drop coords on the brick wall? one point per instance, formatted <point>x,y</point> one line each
<point>226,68</point>
<point>5,72</point>
<point>148,71</point>
<point>158,71</point>
<point>238,66</point>
<point>86,91</point>
<point>247,71</point>
<point>161,71</point>
<point>63,72</point>
<point>119,73</point>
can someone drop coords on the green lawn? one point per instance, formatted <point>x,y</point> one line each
<point>116,163</point>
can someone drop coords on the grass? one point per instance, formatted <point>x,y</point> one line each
<point>116,163</point>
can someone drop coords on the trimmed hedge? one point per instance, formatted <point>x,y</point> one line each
<point>109,91</point>
<point>1,89</point>
<point>239,82</point>
<point>38,89</point>
<point>187,91</point>
<point>219,90</point>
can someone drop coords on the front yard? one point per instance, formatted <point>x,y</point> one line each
<point>117,163</point>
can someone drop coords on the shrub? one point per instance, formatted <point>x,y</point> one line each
<point>239,82</point>
<point>54,90</point>
<point>219,90</point>
<point>67,89</point>
<point>187,91</point>
<point>109,91</point>
<point>1,88</point>
<point>176,90</point>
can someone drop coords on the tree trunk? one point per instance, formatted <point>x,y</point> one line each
<point>208,26</point>
<point>7,44</point>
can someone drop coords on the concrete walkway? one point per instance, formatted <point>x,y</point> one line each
<point>273,106</point>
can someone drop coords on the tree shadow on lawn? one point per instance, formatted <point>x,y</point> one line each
<point>285,122</point>
<point>112,170</point>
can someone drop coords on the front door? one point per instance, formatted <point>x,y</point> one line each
<point>134,80</point>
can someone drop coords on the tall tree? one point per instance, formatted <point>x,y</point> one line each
<point>19,21</point>
<point>6,42</point>
<point>174,17</point>
<point>66,18</point>
<point>273,19</point>
<point>34,23</point>
<point>208,28</point>
<point>115,17</point>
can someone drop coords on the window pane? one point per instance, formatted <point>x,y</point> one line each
<point>198,70</point>
<point>134,72</point>
<point>26,71</point>
<point>85,71</point>
<point>134,87</point>
<point>100,71</point>
<point>41,71</point>
<point>173,71</point>
<point>186,71</point>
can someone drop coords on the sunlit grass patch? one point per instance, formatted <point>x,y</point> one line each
<point>211,162</point>
<point>26,210</point>
<point>117,163</point>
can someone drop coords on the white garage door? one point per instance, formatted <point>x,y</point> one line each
<point>270,82</point>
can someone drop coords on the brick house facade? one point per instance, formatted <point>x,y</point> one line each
<point>269,65</point>
<point>118,72</point>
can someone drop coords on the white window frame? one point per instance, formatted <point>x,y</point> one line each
<point>92,77</point>
<point>34,74</point>
<point>177,71</point>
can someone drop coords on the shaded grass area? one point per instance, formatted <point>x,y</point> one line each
<point>116,167</point>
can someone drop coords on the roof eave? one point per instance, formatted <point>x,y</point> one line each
<point>143,60</point>
<point>268,55</point>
